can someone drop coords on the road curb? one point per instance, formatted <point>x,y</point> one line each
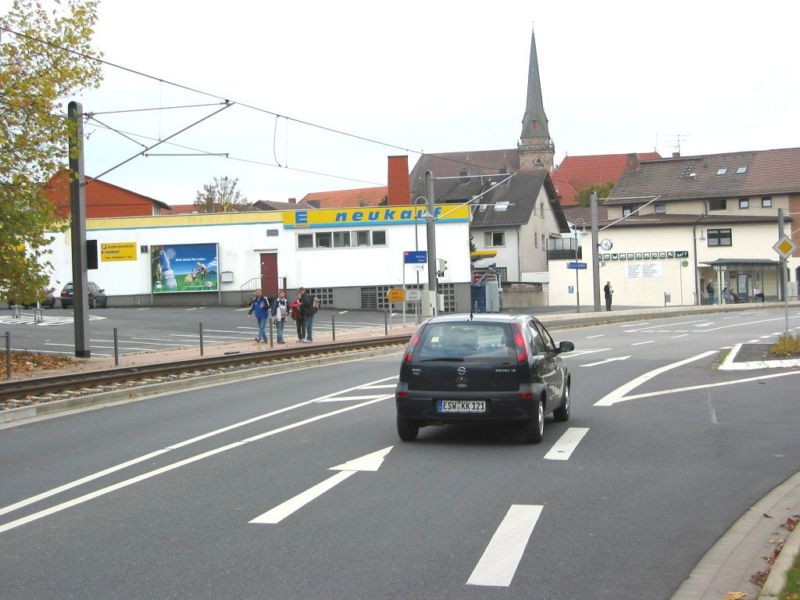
<point>780,570</point>
<point>728,565</point>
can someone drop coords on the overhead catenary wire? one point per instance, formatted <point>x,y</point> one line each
<point>239,103</point>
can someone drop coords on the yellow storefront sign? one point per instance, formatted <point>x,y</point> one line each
<point>374,215</point>
<point>117,251</point>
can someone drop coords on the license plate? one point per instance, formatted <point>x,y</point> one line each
<point>461,406</point>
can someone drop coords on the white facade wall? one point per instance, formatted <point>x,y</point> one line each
<point>643,282</point>
<point>243,237</point>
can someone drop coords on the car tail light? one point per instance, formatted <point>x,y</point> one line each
<point>411,345</point>
<point>519,343</point>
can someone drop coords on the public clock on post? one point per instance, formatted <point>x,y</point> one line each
<point>606,244</point>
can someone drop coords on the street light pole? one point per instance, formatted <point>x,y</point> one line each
<point>431,235</point>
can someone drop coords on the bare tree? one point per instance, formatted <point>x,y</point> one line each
<point>221,196</point>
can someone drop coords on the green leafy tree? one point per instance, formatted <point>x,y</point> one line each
<point>45,56</point>
<point>221,196</point>
<point>603,190</point>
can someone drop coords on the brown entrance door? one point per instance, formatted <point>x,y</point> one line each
<point>269,275</point>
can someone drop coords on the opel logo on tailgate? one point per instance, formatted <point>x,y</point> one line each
<point>461,370</point>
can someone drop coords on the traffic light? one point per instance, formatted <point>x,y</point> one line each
<point>441,267</point>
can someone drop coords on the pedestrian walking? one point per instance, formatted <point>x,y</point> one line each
<point>309,305</point>
<point>260,308</point>
<point>297,315</point>
<point>608,291</point>
<point>710,292</point>
<point>279,309</point>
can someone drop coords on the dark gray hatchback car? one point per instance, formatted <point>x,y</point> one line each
<point>486,367</point>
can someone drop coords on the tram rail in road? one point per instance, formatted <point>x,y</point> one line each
<point>33,391</point>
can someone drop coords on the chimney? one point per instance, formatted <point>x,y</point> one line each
<point>399,191</point>
<point>292,200</point>
<point>633,162</point>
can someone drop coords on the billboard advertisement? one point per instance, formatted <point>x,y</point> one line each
<point>177,268</point>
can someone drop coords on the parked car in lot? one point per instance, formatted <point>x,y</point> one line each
<point>482,368</point>
<point>47,299</point>
<point>97,295</point>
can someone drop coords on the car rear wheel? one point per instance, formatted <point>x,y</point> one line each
<point>562,412</point>
<point>533,429</point>
<point>407,430</point>
<point>92,302</point>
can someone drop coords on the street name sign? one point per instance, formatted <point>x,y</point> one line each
<point>577,265</point>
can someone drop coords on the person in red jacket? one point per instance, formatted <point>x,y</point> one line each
<point>297,315</point>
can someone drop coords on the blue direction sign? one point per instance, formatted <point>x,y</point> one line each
<point>415,257</point>
<point>576,265</point>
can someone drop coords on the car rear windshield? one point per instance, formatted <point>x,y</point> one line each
<point>467,340</point>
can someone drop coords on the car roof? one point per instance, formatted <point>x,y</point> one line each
<point>478,317</point>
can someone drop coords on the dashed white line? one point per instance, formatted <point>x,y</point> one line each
<point>566,444</point>
<point>499,562</point>
<point>643,343</point>
<point>590,337</point>
<point>674,337</point>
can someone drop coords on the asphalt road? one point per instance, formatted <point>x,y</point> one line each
<point>157,498</point>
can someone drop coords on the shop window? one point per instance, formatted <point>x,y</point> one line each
<point>324,240</point>
<point>378,238</point>
<point>305,240</point>
<point>362,238</point>
<point>341,239</point>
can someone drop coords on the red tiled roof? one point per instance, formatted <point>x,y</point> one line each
<point>584,171</point>
<point>372,196</point>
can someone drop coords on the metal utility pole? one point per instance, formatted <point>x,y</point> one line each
<point>430,230</point>
<point>595,253</point>
<point>77,195</point>
<point>784,277</point>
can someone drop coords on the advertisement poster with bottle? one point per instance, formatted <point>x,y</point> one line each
<point>178,268</point>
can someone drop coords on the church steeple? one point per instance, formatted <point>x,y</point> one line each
<point>536,149</point>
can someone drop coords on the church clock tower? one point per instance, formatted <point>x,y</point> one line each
<point>536,149</point>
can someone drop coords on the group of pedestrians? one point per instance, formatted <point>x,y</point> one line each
<point>302,309</point>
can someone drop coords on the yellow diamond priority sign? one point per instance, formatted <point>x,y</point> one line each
<point>785,247</point>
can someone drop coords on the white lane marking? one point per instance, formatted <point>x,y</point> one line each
<point>676,324</point>
<point>636,324</point>
<point>368,462</point>
<point>170,467</point>
<point>729,365</point>
<point>755,341</point>
<point>577,353</point>
<point>500,559</point>
<point>746,323</point>
<point>566,444</point>
<point>42,351</point>
<point>351,398</point>
<point>608,360</point>
<point>280,512</point>
<point>618,395</point>
<point>590,337</point>
<point>190,309</point>
<point>643,343</point>
<point>709,324</point>
<point>174,446</point>
<point>674,337</point>
<point>707,385</point>
<point>764,337</point>
<point>343,312</point>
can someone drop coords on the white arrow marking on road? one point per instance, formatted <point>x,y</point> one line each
<point>368,462</point>
<point>618,395</point>
<point>501,557</point>
<point>608,360</point>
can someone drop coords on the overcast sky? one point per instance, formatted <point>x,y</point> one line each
<point>433,76</point>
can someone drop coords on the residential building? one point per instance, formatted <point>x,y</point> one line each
<point>676,225</point>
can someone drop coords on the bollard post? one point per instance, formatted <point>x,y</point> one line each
<point>333,327</point>
<point>386,322</point>
<point>116,348</point>
<point>201,339</point>
<point>271,343</point>
<point>8,355</point>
